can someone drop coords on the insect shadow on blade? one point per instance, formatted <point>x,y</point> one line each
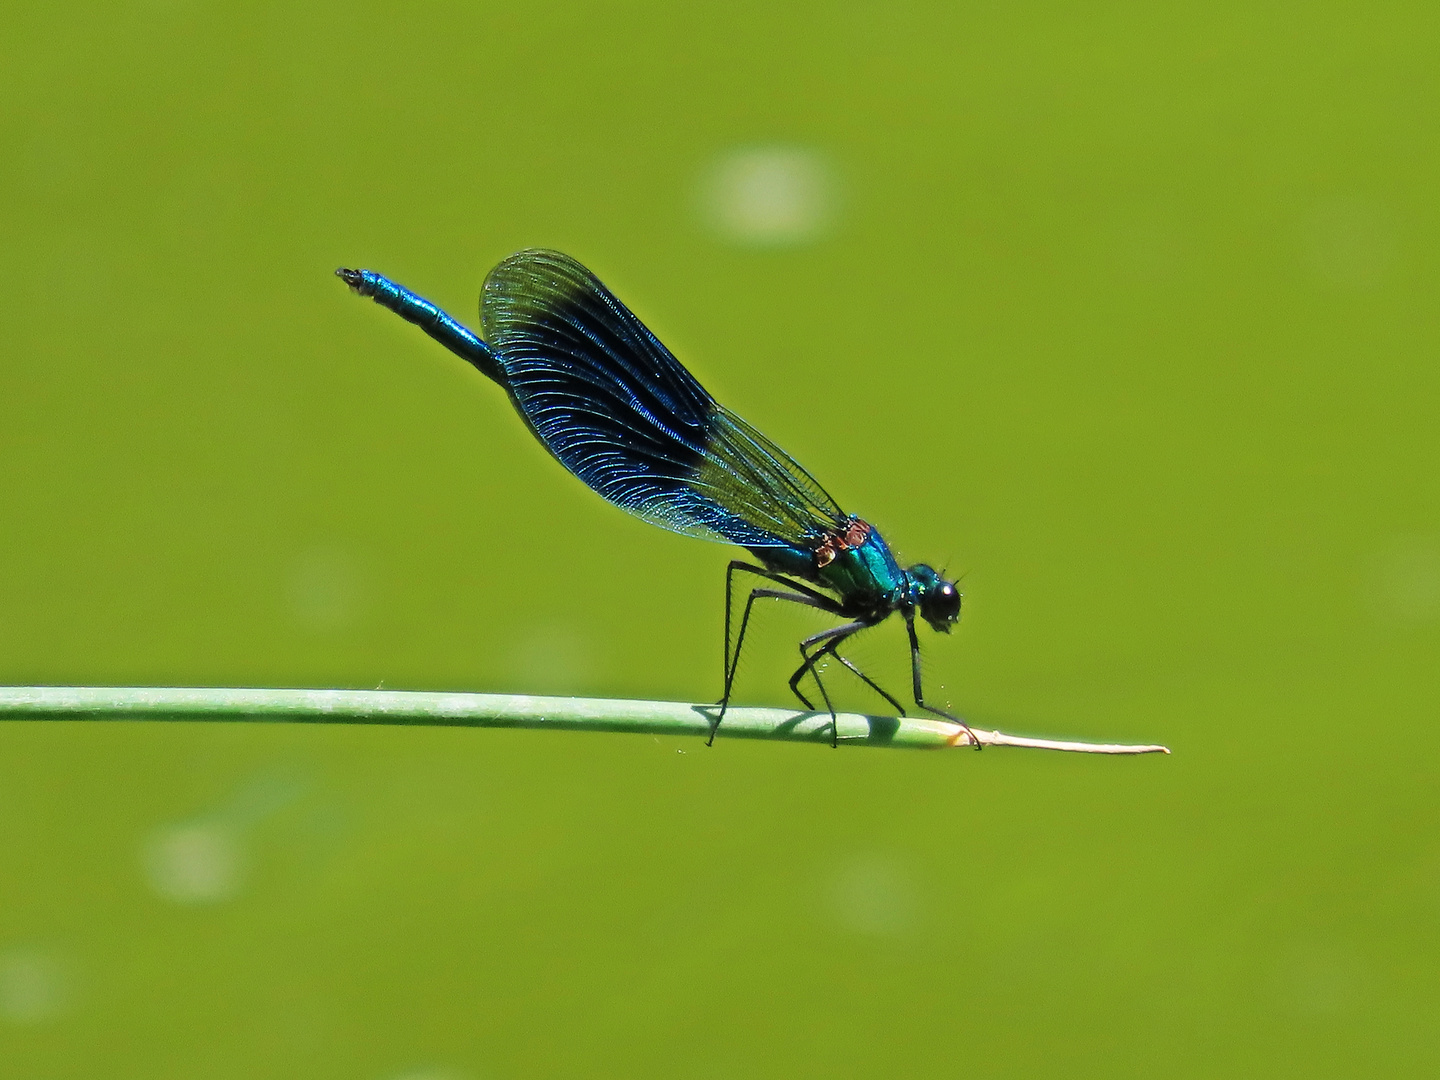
<point>614,407</point>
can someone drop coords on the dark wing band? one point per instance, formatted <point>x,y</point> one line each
<point>620,412</point>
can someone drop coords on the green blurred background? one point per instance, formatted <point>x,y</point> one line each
<point>1127,312</point>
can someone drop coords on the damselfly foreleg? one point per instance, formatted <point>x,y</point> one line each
<point>915,677</point>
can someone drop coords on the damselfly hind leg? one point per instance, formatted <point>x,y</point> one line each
<point>801,594</point>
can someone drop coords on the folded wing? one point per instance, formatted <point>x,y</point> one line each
<point>620,412</point>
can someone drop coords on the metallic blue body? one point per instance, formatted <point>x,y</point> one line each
<point>449,332</point>
<point>621,413</point>
<point>867,578</point>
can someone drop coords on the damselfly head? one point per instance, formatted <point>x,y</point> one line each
<point>939,599</point>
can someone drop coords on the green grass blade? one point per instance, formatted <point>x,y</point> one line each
<point>500,710</point>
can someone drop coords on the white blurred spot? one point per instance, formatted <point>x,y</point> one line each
<point>552,660</point>
<point>875,896</point>
<point>195,862</point>
<point>34,986</point>
<point>1145,244</point>
<point>716,1070</point>
<point>1317,983</point>
<point>770,196</point>
<point>325,590</point>
<point>1405,586</point>
<point>1351,243</point>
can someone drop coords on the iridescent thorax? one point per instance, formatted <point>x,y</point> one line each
<point>860,569</point>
